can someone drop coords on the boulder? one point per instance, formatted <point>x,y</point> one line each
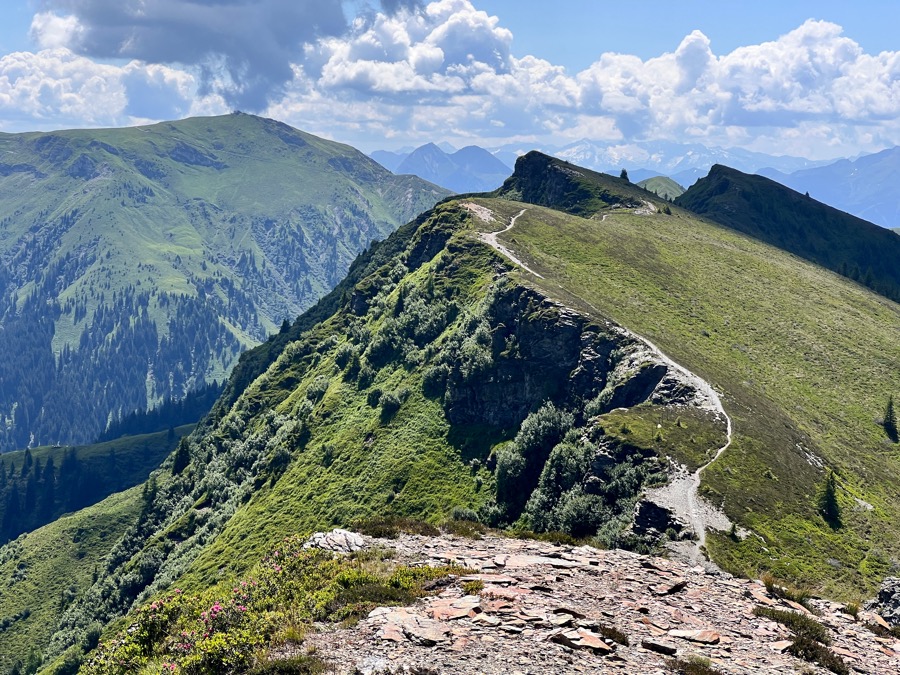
<point>887,602</point>
<point>337,541</point>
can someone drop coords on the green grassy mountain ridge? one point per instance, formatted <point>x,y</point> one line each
<point>138,263</point>
<point>440,377</point>
<point>662,186</point>
<point>803,226</point>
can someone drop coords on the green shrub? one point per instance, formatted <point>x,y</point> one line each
<point>692,665</point>
<point>462,513</point>
<point>800,624</point>
<point>389,527</point>
<point>473,587</point>
<point>345,354</point>
<point>390,403</point>
<point>317,388</point>
<point>434,380</point>
<point>808,649</point>
<point>828,503</point>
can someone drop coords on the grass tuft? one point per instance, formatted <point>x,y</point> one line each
<point>692,665</point>
<point>297,665</point>
<point>786,591</point>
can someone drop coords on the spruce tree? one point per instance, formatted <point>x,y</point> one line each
<point>828,504</point>
<point>890,420</point>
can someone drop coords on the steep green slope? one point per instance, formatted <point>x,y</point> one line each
<point>806,361</point>
<point>430,371</point>
<point>662,186</point>
<point>440,375</point>
<point>779,216</point>
<point>38,485</point>
<point>138,263</point>
<point>47,570</point>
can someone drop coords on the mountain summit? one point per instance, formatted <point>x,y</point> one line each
<point>138,263</point>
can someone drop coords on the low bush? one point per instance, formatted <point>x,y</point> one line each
<point>390,527</point>
<point>298,665</point>
<point>799,624</point>
<point>810,650</point>
<point>692,665</point>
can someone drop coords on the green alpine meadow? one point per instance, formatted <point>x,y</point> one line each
<point>138,263</point>
<point>569,358</point>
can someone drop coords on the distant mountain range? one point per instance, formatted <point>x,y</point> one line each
<point>867,186</point>
<point>684,163</point>
<point>471,169</point>
<point>136,264</point>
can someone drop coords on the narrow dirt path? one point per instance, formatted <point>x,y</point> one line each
<point>681,493</point>
<point>490,238</point>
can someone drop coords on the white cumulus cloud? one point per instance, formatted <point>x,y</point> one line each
<point>445,70</point>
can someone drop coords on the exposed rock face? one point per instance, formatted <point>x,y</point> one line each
<point>652,519</point>
<point>562,609</point>
<point>887,603</point>
<point>337,541</point>
<point>543,351</point>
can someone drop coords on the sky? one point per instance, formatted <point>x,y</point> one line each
<point>812,79</point>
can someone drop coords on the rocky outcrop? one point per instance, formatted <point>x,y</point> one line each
<point>542,350</point>
<point>887,602</point>
<point>336,541</point>
<point>539,608</point>
<point>653,520</point>
<point>547,181</point>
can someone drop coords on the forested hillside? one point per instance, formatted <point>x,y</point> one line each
<point>136,264</point>
<point>37,486</point>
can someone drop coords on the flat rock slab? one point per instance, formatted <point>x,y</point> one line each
<point>449,609</point>
<point>704,637</point>
<point>659,646</point>
<point>668,589</point>
<point>337,541</point>
<point>535,560</point>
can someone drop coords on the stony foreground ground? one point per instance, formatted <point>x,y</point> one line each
<point>544,608</point>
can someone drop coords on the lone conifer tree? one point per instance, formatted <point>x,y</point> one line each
<point>828,504</point>
<point>890,420</point>
<point>624,175</point>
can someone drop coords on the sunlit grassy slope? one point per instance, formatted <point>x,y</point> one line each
<point>805,360</point>
<point>339,417</point>
<point>146,259</point>
<point>662,186</point>
<point>46,570</point>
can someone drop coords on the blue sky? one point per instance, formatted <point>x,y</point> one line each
<point>815,79</point>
